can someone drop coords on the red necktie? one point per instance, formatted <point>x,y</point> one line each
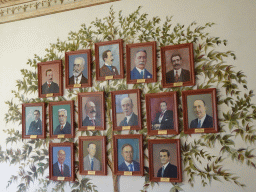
<point>176,76</point>
<point>93,122</point>
<point>49,85</point>
<point>61,127</point>
<point>61,171</point>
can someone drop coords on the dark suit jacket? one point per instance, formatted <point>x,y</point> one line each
<point>136,75</point>
<point>133,121</point>
<point>170,171</point>
<point>83,80</point>
<point>65,130</point>
<point>123,166</point>
<point>54,88</point>
<point>208,122</point>
<point>87,122</point>
<point>104,71</point>
<point>57,173</point>
<point>35,128</point>
<point>184,76</point>
<point>167,121</point>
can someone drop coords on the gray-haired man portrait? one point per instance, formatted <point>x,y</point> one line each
<point>64,127</point>
<point>78,67</point>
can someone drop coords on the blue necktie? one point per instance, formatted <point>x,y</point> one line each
<point>130,167</point>
<point>199,124</point>
<point>125,121</point>
<point>141,73</point>
<point>162,171</point>
<point>92,165</point>
<point>110,68</point>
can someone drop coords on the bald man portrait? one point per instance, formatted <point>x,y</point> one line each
<point>90,112</point>
<point>131,119</point>
<point>59,168</point>
<point>203,120</point>
<point>78,67</point>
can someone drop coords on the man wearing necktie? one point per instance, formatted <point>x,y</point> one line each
<point>78,68</point>
<point>130,119</point>
<point>129,164</point>
<point>167,169</point>
<point>203,120</point>
<point>59,168</point>
<point>163,119</point>
<point>140,61</point>
<point>49,86</point>
<point>91,119</point>
<point>107,69</point>
<point>35,127</point>
<point>91,163</point>
<point>64,127</point>
<point>177,74</point>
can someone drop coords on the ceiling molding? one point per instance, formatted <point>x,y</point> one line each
<point>15,10</point>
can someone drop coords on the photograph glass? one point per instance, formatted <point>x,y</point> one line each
<point>50,79</point>
<point>33,120</point>
<point>61,158</point>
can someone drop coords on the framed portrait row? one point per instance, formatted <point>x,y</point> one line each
<point>164,158</point>
<point>199,113</point>
<point>141,62</point>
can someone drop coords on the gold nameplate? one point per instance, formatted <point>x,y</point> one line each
<point>61,136</point>
<point>141,80</point>
<point>127,173</point>
<point>199,130</point>
<point>60,178</point>
<point>91,172</point>
<point>109,77</point>
<point>177,84</point>
<point>90,127</point>
<point>165,179</point>
<point>126,127</point>
<point>77,85</point>
<point>162,132</point>
<point>49,95</point>
<point>33,136</point>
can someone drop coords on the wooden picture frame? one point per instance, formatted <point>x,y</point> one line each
<point>33,128</point>
<point>94,101</point>
<point>110,52</point>
<point>141,56</point>
<point>62,111</point>
<point>183,58</point>
<point>89,146</point>
<point>81,61</point>
<point>197,104</point>
<point>158,150</point>
<point>64,154</point>
<point>46,71</point>
<point>162,113</point>
<point>132,100</point>
<point>123,145</point>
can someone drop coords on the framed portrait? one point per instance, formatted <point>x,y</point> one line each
<point>92,155</point>
<point>109,60</point>
<point>50,79</point>
<point>141,62</point>
<point>177,65</point>
<point>33,121</point>
<point>61,119</point>
<point>165,160</point>
<point>162,113</point>
<point>78,69</point>
<point>61,161</point>
<point>91,111</point>
<point>126,110</point>
<point>128,155</point>
<point>200,111</point>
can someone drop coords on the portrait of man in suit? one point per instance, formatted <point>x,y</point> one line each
<point>90,161</point>
<point>129,164</point>
<point>163,119</point>
<point>78,68</point>
<point>167,170</point>
<point>49,86</point>
<point>59,168</point>
<point>35,127</point>
<point>203,120</point>
<point>64,126</point>
<point>131,118</point>
<point>107,69</point>
<point>178,73</point>
<point>90,111</point>
<point>139,71</point>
